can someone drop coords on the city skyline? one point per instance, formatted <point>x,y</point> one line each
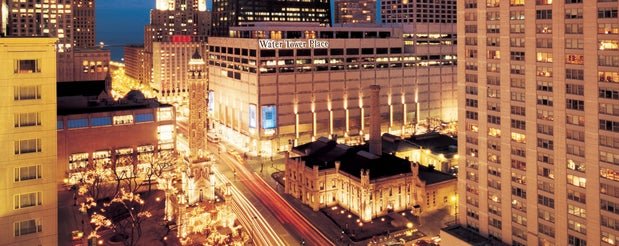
<point>133,15</point>
<point>309,122</point>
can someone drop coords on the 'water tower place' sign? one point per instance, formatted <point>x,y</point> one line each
<point>292,44</point>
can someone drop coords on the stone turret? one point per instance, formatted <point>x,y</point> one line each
<point>197,106</point>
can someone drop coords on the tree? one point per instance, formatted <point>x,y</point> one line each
<point>434,124</point>
<point>109,193</point>
<point>125,214</point>
<point>157,164</point>
<point>94,180</point>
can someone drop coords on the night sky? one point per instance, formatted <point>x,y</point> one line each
<point>121,22</point>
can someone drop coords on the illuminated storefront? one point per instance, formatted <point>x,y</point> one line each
<point>95,135</point>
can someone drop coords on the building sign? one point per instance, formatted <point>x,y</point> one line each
<point>252,116</point>
<point>269,117</point>
<point>181,39</point>
<point>293,44</point>
<point>211,101</point>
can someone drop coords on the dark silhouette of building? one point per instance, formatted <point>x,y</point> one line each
<point>227,13</point>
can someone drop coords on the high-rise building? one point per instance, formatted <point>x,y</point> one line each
<point>539,148</point>
<point>171,69</point>
<point>83,65</point>
<point>355,11</point>
<point>173,24</point>
<point>171,18</point>
<point>72,22</point>
<point>424,30</point>
<point>134,62</point>
<point>84,23</point>
<point>407,11</point>
<point>29,207</point>
<point>229,13</point>
<point>31,19</point>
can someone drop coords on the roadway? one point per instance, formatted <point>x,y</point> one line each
<point>284,213</point>
<point>262,233</point>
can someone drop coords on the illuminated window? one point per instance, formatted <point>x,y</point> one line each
<point>78,160</point>
<point>575,165</point>
<point>494,132</point>
<point>101,156</point>
<point>609,44</point>
<point>123,119</point>
<point>577,211</point>
<point>609,174</point>
<point>165,133</point>
<point>518,137</point>
<point>609,238</point>
<point>577,181</point>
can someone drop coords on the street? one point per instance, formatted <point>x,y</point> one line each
<point>307,234</point>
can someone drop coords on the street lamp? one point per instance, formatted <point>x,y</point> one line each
<point>454,200</point>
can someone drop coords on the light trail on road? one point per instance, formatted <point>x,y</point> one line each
<point>262,233</point>
<point>283,211</point>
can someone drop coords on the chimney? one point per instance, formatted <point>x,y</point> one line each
<point>375,138</point>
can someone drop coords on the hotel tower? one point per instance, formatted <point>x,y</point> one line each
<point>28,190</point>
<point>538,95</point>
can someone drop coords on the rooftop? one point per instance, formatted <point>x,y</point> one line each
<point>434,141</point>
<point>469,236</point>
<point>302,30</point>
<point>84,105</point>
<point>325,152</point>
<point>432,176</point>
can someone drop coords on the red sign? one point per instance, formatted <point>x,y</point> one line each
<point>181,39</point>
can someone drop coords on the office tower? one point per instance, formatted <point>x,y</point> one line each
<point>432,36</point>
<point>229,13</point>
<point>31,19</point>
<point>29,207</point>
<point>278,83</point>
<point>134,62</point>
<point>172,18</point>
<point>84,23</point>
<point>407,11</point>
<point>539,120</point>
<point>73,23</point>
<point>171,69</point>
<point>355,11</point>
<point>173,23</point>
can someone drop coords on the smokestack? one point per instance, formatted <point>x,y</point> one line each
<point>375,138</point>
